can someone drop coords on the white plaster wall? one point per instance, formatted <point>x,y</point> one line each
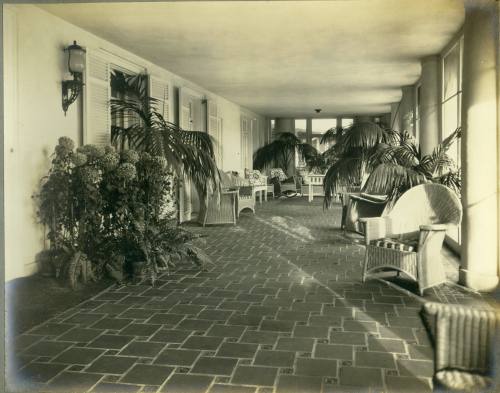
<point>34,120</point>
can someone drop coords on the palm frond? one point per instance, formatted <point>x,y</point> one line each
<point>331,135</point>
<point>345,172</point>
<point>269,156</point>
<point>392,179</point>
<point>362,135</point>
<point>438,162</point>
<point>451,179</point>
<point>189,153</point>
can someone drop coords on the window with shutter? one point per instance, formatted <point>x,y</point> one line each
<point>159,89</point>
<point>97,89</point>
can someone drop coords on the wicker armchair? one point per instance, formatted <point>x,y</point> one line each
<point>410,237</point>
<point>464,346</point>
<point>213,211</point>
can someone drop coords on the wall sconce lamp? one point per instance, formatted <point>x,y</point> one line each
<point>71,88</point>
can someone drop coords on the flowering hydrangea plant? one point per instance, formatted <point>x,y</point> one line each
<point>99,204</point>
<point>79,159</point>
<point>66,143</point>
<point>126,171</point>
<point>277,173</point>
<point>92,151</point>
<point>130,156</point>
<point>90,175</point>
<point>110,160</point>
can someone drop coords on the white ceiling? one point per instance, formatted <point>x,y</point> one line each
<point>282,58</point>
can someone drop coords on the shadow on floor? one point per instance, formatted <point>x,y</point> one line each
<point>37,298</point>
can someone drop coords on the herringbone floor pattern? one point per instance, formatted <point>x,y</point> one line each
<point>281,310</point>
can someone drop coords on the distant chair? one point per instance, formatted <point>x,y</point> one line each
<point>357,205</point>
<point>410,237</point>
<point>465,342</point>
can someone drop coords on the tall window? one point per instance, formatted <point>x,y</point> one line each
<point>300,129</point>
<point>120,90</point>
<point>417,111</point>
<point>319,127</point>
<point>451,103</point>
<point>452,94</point>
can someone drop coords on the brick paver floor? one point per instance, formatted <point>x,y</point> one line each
<point>282,309</point>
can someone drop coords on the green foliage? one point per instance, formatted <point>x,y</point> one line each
<point>105,211</point>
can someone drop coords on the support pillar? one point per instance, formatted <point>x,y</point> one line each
<point>283,124</point>
<point>407,110</point>
<point>396,116</point>
<point>479,268</point>
<point>429,104</point>
<point>309,127</point>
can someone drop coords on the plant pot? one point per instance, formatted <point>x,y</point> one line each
<point>46,263</point>
<point>138,271</point>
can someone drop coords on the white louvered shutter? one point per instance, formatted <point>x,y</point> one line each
<point>244,142</point>
<point>214,129</point>
<point>97,91</point>
<point>159,89</point>
<point>185,110</point>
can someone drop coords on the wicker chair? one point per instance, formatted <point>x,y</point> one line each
<point>213,211</point>
<point>356,205</point>
<point>465,340</point>
<point>410,237</point>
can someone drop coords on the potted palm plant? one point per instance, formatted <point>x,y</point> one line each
<point>400,166</point>
<point>350,156</point>
<point>280,153</point>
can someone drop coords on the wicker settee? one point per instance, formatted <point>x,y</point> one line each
<point>410,237</point>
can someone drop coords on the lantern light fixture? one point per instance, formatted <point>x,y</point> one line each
<point>71,88</point>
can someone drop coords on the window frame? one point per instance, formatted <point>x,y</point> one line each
<point>453,242</point>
